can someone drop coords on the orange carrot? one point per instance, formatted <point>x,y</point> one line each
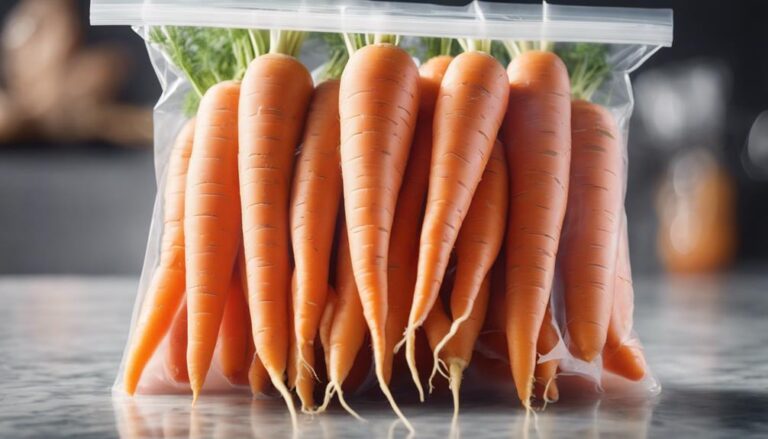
<point>348,328</point>
<point>477,245</point>
<point>592,226</point>
<point>176,355</point>
<point>620,355</point>
<point>316,192</point>
<point>456,353</point>
<point>166,289</point>
<point>545,373</point>
<point>211,224</point>
<point>404,242</point>
<point>258,378</point>
<point>326,323</point>
<point>378,105</point>
<point>275,97</point>
<point>470,107</point>
<point>234,334</point>
<point>537,136</point>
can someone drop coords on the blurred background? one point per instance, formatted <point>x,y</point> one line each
<point>77,181</point>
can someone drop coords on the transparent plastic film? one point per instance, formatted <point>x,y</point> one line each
<point>199,46</point>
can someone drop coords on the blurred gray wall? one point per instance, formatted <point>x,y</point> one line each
<point>85,210</point>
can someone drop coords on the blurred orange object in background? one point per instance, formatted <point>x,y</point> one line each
<point>696,208</point>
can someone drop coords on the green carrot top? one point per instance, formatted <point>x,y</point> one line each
<point>587,65</point>
<point>207,56</point>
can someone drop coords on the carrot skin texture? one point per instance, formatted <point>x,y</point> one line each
<point>316,193</point>
<point>167,287</point>
<point>378,105</point>
<point>276,90</point>
<point>326,323</point>
<point>592,226</point>
<point>537,137</point>
<point>175,361</point>
<point>404,242</point>
<point>348,329</point>
<point>211,224</point>
<point>234,334</point>
<point>470,107</point>
<point>477,245</point>
<point>621,355</point>
<point>481,234</point>
<point>258,378</point>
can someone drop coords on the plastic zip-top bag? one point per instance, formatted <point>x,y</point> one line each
<point>282,310</point>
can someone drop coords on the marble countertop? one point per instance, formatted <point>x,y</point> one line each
<point>61,339</point>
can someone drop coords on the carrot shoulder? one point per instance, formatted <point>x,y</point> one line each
<point>211,224</point>
<point>537,137</point>
<point>470,107</point>
<point>167,287</point>
<point>592,226</point>
<point>378,105</point>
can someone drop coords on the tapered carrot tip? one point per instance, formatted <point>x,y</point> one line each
<point>585,344</point>
<point>626,361</point>
<point>551,392</point>
<point>130,388</point>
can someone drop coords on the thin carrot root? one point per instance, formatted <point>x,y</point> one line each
<point>344,404</point>
<point>456,373</point>
<point>330,389</point>
<point>385,389</point>
<point>546,397</point>
<point>286,394</point>
<point>410,357</point>
<point>437,361</point>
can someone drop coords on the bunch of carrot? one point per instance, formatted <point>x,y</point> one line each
<point>302,221</point>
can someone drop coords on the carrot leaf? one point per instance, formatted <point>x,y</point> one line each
<point>355,41</point>
<point>286,42</point>
<point>337,57</point>
<point>439,46</point>
<point>587,65</point>
<point>472,45</point>
<point>207,56</point>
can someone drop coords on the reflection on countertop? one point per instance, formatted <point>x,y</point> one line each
<point>61,339</point>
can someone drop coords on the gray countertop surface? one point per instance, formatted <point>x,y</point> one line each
<point>61,339</point>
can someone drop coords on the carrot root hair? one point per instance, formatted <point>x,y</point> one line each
<point>546,398</point>
<point>286,394</point>
<point>327,396</point>
<point>343,402</point>
<point>456,372</point>
<point>388,394</point>
<point>303,362</point>
<point>334,388</point>
<point>444,341</point>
